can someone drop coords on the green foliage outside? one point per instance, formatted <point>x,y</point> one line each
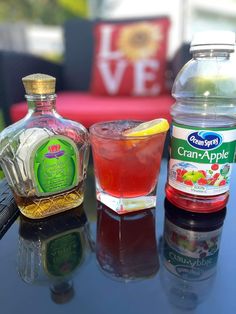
<point>51,12</point>
<point>79,7</point>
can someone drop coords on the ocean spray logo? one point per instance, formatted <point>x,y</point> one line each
<point>205,140</point>
<point>54,151</point>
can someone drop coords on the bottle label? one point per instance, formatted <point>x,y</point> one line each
<point>54,165</point>
<point>63,254</point>
<point>201,160</point>
<point>189,254</point>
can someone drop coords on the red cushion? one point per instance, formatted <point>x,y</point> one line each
<point>88,109</point>
<point>130,58</point>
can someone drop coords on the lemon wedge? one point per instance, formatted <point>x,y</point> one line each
<point>148,128</point>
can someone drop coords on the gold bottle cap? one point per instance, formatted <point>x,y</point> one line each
<point>39,84</point>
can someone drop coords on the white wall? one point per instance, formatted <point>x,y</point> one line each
<point>140,8</point>
<point>187,16</point>
<point>43,39</point>
<point>203,15</point>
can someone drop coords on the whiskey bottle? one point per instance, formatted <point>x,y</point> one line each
<point>44,156</point>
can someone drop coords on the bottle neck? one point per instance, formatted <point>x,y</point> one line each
<point>41,104</point>
<point>205,54</point>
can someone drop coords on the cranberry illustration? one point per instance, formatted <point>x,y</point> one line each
<point>211,181</point>
<point>214,167</point>
<point>222,182</point>
<point>216,175</point>
<point>202,181</point>
<point>180,172</point>
<point>179,178</point>
<point>188,182</point>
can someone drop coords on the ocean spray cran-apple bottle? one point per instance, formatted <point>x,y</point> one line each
<point>203,132</point>
<point>44,157</point>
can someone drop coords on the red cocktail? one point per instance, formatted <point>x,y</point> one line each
<point>126,168</point>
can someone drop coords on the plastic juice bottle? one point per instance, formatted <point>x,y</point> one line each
<point>202,149</point>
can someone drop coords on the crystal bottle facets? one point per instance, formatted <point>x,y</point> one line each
<point>44,157</point>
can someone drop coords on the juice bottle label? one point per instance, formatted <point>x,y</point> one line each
<point>54,165</point>
<point>201,160</point>
<point>189,254</point>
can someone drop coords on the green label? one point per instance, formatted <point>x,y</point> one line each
<point>203,146</point>
<point>183,151</point>
<point>55,165</point>
<point>63,254</point>
<point>188,267</point>
<point>201,159</point>
<point>190,254</point>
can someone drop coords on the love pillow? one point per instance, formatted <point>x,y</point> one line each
<point>130,59</point>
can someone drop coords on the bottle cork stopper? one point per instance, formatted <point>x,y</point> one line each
<point>39,84</point>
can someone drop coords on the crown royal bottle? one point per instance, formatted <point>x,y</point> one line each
<point>44,157</point>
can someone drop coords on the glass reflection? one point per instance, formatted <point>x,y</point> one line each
<point>126,244</point>
<point>190,248</point>
<point>52,250</point>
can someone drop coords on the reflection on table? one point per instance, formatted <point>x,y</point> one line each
<point>126,246</point>
<point>190,247</point>
<point>52,250</point>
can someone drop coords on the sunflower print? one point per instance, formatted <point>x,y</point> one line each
<point>139,41</point>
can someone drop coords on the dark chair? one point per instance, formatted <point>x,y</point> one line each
<point>73,81</point>
<point>14,66</point>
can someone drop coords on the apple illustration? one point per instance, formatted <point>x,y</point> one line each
<point>193,176</point>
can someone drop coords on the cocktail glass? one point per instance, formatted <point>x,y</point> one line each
<point>126,167</point>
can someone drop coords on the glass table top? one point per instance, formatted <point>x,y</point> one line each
<point>90,260</point>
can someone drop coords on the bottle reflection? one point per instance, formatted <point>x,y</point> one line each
<point>190,250</point>
<point>126,244</point>
<point>53,249</point>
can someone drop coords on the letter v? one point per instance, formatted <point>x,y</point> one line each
<point>112,81</point>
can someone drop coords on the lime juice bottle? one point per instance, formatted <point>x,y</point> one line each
<point>203,133</point>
